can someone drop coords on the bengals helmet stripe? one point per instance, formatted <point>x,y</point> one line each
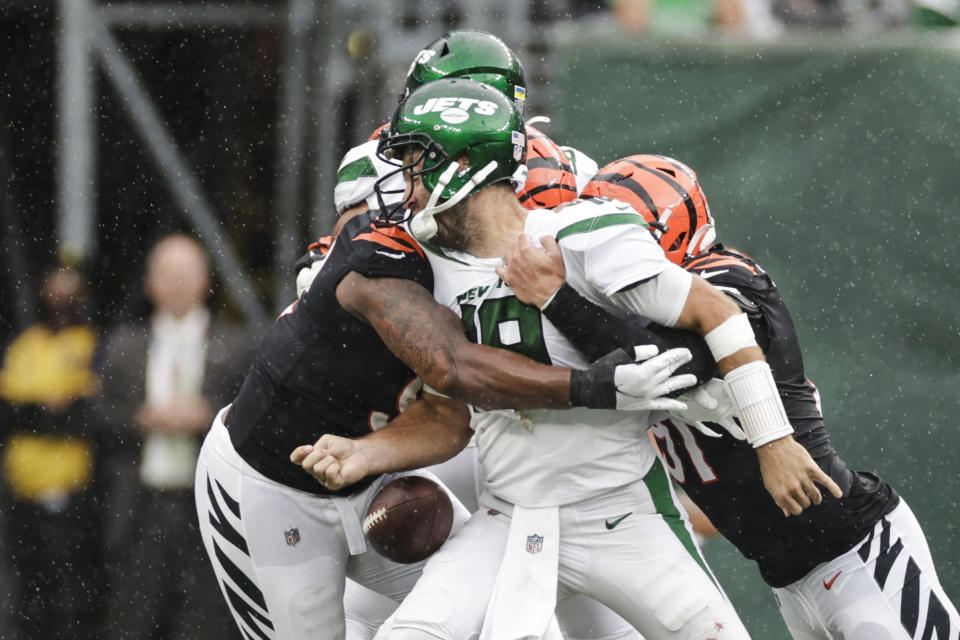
<point>551,180</point>
<point>657,186</point>
<point>619,181</point>
<point>677,187</point>
<point>529,194</point>
<point>546,163</point>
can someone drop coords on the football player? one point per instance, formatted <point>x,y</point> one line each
<point>554,477</point>
<point>555,175</point>
<point>345,359</point>
<point>858,567</point>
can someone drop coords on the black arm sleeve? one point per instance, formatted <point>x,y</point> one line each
<point>596,332</point>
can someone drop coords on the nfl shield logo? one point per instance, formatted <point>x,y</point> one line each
<point>292,536</point>
<point>534,544</point>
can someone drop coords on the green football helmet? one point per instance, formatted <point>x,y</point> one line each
<point>474,54</point>
<point>441,122</point>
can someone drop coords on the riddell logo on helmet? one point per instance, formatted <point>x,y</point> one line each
<point>456,110</point>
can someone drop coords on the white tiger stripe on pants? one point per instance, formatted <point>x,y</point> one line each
<point>885,588</point>
<point>283,569</point>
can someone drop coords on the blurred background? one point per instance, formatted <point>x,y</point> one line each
<point>826,134</point>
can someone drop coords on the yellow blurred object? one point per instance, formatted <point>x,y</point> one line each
<point>40,467</point>
<point>360,44</point>
<point>46,367</point>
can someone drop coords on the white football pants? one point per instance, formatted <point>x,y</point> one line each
<point>282,555</point>
<point>630,549</point>
<point>885,588</point>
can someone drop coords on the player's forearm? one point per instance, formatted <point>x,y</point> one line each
<point>730,337</point>
<point>430,340</point>
<point>595,332</point>
<point>428,432</point>
<point>706,309</point>
<point>499,379</point>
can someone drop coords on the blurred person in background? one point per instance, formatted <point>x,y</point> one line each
<point>162,379</point>
<point>753,18</point>
<point>51,526</point>
<point>766,19</point>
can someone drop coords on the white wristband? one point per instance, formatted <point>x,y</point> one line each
<point>730,336</point>
<point>755,395</point>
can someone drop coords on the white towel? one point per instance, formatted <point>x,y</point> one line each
<point>525,593</point>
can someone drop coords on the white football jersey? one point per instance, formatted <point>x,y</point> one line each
<point>584,167</point>
<point>554,457</point>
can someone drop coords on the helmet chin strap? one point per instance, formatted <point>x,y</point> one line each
<point>423,226</point>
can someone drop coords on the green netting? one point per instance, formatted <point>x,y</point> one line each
<point>837,166</point>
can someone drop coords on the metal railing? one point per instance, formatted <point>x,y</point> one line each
<point>339,74</point>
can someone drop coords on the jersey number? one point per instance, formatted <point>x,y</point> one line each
<point>671,459</point>
<point>506,323</point>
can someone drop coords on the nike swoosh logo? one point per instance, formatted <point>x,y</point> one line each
<point>395,256</point>
<point>828,585</point>
<point>613,523</point>
<point>706,274</point>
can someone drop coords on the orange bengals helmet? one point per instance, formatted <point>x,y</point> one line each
<point>550,179</point>
<point>667,194</point>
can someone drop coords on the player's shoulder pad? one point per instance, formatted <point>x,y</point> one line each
<point>589,215</point>
<point>376,132</point>
<point>380,249</point>
<point>317,250</point>
<point>731,271</point>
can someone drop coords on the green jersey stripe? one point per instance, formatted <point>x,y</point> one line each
<point>658,484</point>
<point>359,168</point>
<point>592,224</point>
<point>439,252</point>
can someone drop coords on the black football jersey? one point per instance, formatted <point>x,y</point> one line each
<point>320,369</point>
<point>722,475</point>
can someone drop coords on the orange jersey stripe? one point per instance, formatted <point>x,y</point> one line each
<point>401,234</point>
<point>712,262</point>
<point>322,244</point>
<point>393,238</point>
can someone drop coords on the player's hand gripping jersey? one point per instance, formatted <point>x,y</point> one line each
<point>320,369</point>
<point>609,448</point>
<point>708,468</point>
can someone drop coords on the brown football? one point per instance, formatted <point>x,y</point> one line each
<point>409,519</point>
